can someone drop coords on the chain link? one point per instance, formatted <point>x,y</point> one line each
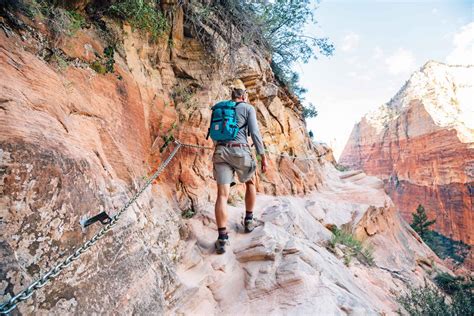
<point>295,157</point>
<point>8,306</point>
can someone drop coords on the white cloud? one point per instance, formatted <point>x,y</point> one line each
<point>378,53</point>
<point>353,60</point>
<point>463,46</point>
<point>402,61</point>
<point>434,11</point>
<point>361,76</point>
<point>350,41</point>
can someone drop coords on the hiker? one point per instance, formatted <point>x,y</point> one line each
<point>231,123</point>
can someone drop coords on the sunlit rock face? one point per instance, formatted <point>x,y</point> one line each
<point>422,144</point>
<point>285,265</point>
<point>75,142</point>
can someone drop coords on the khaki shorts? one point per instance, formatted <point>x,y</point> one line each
<point>228,160</point>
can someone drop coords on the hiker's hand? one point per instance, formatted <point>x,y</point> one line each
<point>264,164</point>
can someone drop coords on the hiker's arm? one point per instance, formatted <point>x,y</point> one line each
<point>255,132</point>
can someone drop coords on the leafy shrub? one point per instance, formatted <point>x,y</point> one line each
<point>428,300</point>
<point>141,14</point>
<point>76,22</point>
<point>104,64</point>
<point>309,111</point>
<point>354,247</point>
<point>445,247</point>
<point>423,301</point>
<point>453,284</point>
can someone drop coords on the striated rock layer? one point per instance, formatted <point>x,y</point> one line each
<point>422,144</point>
<point>284,266</point>
<point>74,142</point>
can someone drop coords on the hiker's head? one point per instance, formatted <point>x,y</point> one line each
<point>238,94</point>
<point>238,91</point>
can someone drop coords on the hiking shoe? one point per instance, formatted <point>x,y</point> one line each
<point>250,224</point>
<point>220,245</point>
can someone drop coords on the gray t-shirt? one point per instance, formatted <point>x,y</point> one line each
<point>246,113</point>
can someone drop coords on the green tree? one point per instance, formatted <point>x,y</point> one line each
<point>420,222</point>
<point>278,26</point>
<point>283,22</point>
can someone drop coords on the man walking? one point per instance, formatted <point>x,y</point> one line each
<point>234,156</point>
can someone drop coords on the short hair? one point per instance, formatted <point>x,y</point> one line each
<point>237,93</point>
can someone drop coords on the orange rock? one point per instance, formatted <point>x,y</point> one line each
<point>421,144</point>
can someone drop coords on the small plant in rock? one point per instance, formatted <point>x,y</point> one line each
<point>141,14</point>
<point>341,168</point>
<point>104,64</point>
<point>352,247</point>
<point>188,213</point>
<point>169,137</point>
<point>167,140</point>
<point>76,22</point>
<point>182,94</point>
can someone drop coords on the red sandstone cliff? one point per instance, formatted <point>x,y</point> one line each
<point>422,144</point>
<point>75,142</point>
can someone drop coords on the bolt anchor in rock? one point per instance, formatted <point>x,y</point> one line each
<point>103,217</point>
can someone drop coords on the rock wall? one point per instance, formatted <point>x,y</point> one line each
<point>422,144</point>
<point>75,142</point>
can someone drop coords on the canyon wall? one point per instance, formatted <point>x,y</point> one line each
<point>422,144</point>
<point>76,140</point>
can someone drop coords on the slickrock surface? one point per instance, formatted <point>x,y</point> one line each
<point>284,265</point>
<point>74,142</point>
<point>422,144</point>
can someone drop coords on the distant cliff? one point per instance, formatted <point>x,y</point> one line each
<point>422,144</point>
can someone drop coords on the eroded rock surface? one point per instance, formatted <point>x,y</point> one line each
<point>284,266</point>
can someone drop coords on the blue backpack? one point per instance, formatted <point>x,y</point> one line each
<point>224,121</point>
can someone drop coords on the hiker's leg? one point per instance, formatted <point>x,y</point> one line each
<point>221,204</point>
<point>250,195</point>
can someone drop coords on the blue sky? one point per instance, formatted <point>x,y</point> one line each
<point>378,45</point>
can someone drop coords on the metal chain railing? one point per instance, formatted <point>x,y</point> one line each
<point>11,304</point>
<point>56,270</point>
<point>266,150</point>
<point>295,157</point>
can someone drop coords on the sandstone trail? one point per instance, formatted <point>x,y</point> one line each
<point>87,113</point>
